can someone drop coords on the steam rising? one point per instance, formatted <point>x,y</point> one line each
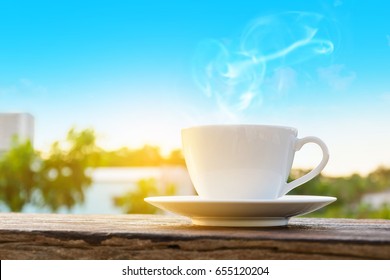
<point>233,73</point>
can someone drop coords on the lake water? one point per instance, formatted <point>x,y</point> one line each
<point>111,182</point>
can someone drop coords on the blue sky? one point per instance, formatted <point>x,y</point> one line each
<point>137,71</point>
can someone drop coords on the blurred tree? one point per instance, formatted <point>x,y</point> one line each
<point>18,177</point>
<point>55,181</point>
<point>64,176</point>
<point>349,191</point>
<point>145,156</point>
<point>176,158</point>
<point>133,201</point>
<point>379,179</point>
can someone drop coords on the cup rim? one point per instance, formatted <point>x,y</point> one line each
<point>240,125</point>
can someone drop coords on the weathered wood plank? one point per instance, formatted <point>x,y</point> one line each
<point>55,236</point>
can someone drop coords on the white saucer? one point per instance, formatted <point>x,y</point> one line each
<point>243,212</point>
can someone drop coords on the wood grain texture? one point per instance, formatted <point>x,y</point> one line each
<point>56,236</point>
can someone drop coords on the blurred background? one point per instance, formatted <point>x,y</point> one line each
<point>93,95</point>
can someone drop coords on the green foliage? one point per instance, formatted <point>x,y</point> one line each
<point>175,158</point>
<point>55,181</point>
<point>133,201</point>
<point>18,180</point>
<point>64,175</point>
<point>145,156</point>
<point>349,191</point>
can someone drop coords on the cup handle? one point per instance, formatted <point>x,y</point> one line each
<point>307,177</point>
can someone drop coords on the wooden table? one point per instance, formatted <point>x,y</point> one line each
<point>57,236</point>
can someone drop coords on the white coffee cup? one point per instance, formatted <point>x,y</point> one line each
<point>245,161</point>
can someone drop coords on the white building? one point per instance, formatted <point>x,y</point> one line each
<point>15,124</point>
